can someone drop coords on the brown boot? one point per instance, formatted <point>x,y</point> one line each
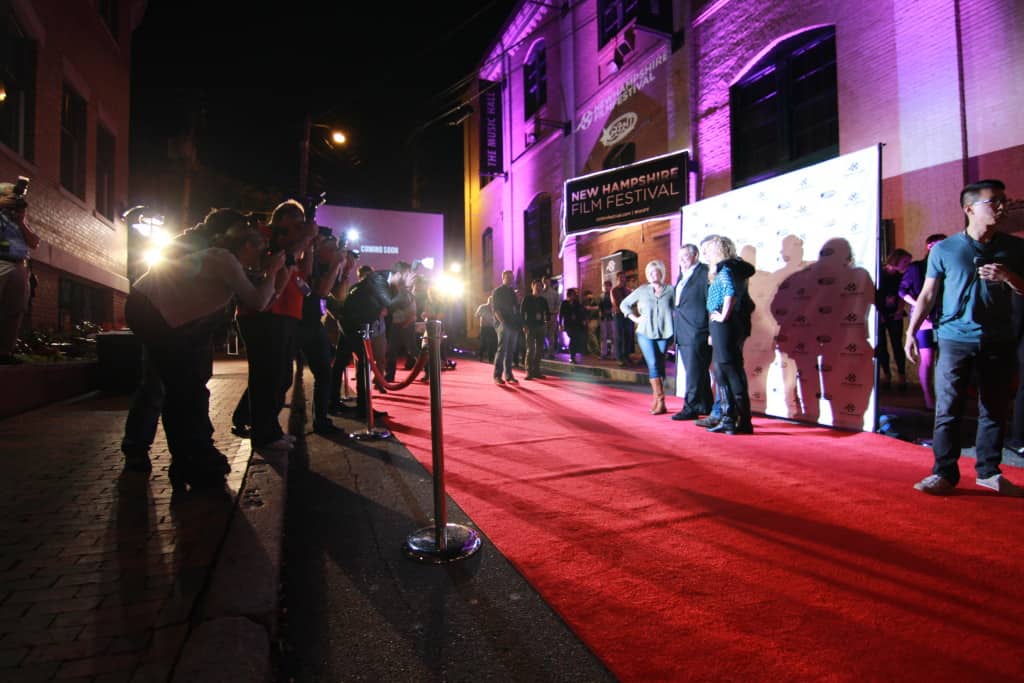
<point>658,406</point>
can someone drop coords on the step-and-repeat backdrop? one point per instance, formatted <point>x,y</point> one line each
<point>812,236</point>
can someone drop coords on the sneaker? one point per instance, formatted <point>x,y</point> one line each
<point>935,485</point>
<point>281,444</point>
<point>708,422</point>
<point>499,381</point>
<point>511,380</point>
<point>1001,485</point>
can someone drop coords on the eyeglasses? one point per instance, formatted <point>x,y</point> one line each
<point>994,201</point>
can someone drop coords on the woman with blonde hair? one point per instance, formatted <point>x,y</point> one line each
<point>653,317</point>
<point>725,296</point>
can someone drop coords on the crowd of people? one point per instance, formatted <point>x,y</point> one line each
<point>706,314</point>
<point>294,293</point>
<point>286,285</point>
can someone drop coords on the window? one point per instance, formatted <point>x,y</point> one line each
<point>105,172</point>
<point>615,15</point>
<point>537,230</point>
<point>620,155</point>
<point>18,80</point>
<point>535,80</point>
<point>77,302</point>
<point>110,15</point>
<point>487,264</point>
<point>785,111</point>
<point>72,142</point>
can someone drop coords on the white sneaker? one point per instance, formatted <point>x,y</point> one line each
<point>934,485</point>
<point>281,444</point>
<point>1001,485</point>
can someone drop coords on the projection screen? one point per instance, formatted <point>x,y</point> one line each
<point>812,235</point>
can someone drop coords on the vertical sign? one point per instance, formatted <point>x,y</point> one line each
<point>491,138</point>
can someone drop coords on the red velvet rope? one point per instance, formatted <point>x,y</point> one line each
<point>379,376</point>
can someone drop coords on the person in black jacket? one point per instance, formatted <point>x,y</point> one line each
<point>507,324</point>
<point>690,326</point>
<point>366,300</point>
<point>534,311</point>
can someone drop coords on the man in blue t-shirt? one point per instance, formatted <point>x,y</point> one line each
<point>980,271</point>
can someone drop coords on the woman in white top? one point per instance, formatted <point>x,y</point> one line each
<point>653,318</point>
<point>173,309</point>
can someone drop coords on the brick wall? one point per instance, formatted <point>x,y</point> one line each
<point>898,84</point>
<point>75,46</point>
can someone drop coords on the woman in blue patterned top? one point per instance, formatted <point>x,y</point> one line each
<point>653,318</point>
<point>727,336</point>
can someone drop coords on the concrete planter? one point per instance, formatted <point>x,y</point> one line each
<point>32,385</point>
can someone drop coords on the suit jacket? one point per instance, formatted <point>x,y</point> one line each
<point>690,316</point>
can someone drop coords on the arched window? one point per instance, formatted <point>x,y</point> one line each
<point>537,230</point>
<point>535,80</point>
<point>785,110</point>
<point>615,15</point>
<point>487,261</point>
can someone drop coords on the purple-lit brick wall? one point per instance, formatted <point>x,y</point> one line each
<point>898,84</point>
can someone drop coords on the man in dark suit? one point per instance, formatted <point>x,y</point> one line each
<point>690,325</point>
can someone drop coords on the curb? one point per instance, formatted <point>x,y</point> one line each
<point>237,620</point>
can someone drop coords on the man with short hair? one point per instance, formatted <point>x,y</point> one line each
<point>979,270</point>
<point>535,314</point>
<point>623,326</point>
<point>507,324</point>
<point>690,326</point>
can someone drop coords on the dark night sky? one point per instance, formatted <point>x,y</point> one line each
<point>254,69</point>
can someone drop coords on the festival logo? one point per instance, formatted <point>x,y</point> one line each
<point>618,129</point>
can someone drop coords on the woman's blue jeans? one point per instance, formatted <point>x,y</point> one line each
<point>654,355</point>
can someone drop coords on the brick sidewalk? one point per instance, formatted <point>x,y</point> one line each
<point>99,570</point>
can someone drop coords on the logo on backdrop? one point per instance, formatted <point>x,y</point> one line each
<point>618,129</point>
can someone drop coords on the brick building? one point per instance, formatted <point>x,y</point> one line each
<point>64,122</point>
<point>751,90</point>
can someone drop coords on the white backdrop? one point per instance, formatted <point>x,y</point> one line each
<point>813,237</point>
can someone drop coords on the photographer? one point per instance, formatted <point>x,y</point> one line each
<point>172,309</point>
<point>330,265</point>
<point>366,301</point>
<point>16,240</point>
<point>270,334</point>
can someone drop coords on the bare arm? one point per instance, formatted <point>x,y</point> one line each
<point>925,303</point>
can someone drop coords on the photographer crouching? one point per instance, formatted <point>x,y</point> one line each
<point>16,242</point>
<point>173,309</point>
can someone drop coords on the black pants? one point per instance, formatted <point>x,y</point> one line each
<point>991,362</point>
<point>351,342</point>
<point>623,337</point>
<point>144,413</point>
<point>696,360</point>
<point>182,359</point>
<point>488,343</point>
<point>727,354</point>
<point>270,349</point>
<point>316,349</point>
<point>893,331</point>
<point>400,343</point>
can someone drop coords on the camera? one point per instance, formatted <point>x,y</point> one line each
<point>21,187</point>
<point>311,203</point>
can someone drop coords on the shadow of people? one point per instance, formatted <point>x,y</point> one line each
<point>790,306</point>
<point>759,349</point>
<point>822,311</point>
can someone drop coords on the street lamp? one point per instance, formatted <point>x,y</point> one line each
<point>336,136</point>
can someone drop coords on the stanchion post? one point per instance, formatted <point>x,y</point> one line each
<point>443,542</point>
<point>371,432</point>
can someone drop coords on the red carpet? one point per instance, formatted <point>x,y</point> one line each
<point>797,553</point>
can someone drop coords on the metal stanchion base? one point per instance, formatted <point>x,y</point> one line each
<point>374,434</point>
<point>461,543</point>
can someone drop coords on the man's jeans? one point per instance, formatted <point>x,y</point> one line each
<point>504,358</point>
<point>992,363</point>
